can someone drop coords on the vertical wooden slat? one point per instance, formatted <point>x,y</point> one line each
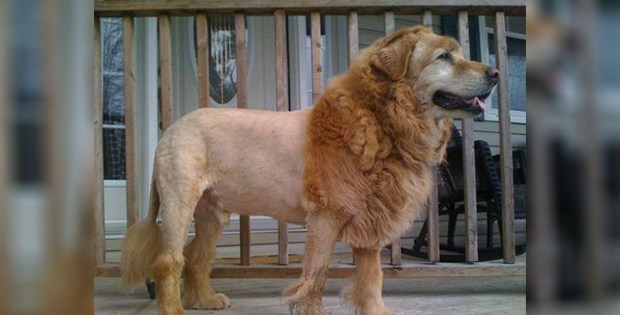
<point>99,237</point>
<point>501,49</point>
<point>282,104</point>
<point>241,48</point>
<point>244,234</point>
<point>595,204</point>
<point>354,41</point>
<point>469,181</point>
<point>129,62</point>
<point>282,101</point>
<point>165,68</point>
<point>433,221</point>
<point>282,243</point>
<point>427,19</point>
<point>395,250</point>
<point>433,204</point>
<point>202,37</point>
<point>317,68</point>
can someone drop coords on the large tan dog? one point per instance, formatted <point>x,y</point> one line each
<point>355,167</point>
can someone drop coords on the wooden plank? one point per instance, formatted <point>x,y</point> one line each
<point>257,7</point>
<point>241,51</point>
<point>469,166</point>
<point>129,64</point>
<point>202,39</point>
<point>433,221</point>
<point>99,237</point>
<point>282,101</point>
<point>396,258</point>
<point>410,270</point>
<point>244,227</point>
<point>353,36</point>
<point>501,49</point>
<point>390,22</point>
<point>282,104</point>
<point>282,243</point>
<point>395,249</point>
<point>317,68</point>
<point>165,68</point>
<point>427,19</point>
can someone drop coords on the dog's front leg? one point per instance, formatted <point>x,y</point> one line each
<point>305,295</point>
<point>364,291</point>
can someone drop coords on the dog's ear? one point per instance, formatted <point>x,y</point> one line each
<point>393,60</point>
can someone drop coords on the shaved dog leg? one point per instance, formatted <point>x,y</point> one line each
<point>305,295</point>
<point>199,255</point>
<point>364,291</point>
<point>176,215</point>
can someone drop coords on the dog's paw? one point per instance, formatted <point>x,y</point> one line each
<point>213,302</point>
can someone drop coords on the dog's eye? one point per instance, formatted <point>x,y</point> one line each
<point>444,56</point>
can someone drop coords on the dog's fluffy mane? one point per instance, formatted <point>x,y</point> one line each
<point>371,149</point>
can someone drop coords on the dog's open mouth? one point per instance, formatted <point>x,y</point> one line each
<point>450,101</point>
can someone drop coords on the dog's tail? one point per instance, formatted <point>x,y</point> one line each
<point>141,246</point>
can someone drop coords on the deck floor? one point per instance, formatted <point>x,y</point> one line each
<point>472,295</point>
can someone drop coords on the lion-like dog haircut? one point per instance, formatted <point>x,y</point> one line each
<point>356,167</point>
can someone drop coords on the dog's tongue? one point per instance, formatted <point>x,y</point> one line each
<point>480,103</point>
<point>476,102</point>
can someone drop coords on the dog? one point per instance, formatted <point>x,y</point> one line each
<point>356,167</point>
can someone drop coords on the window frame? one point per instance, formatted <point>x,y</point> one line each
<point>492,114</point>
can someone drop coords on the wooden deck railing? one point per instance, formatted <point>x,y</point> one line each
<point>202,9</point>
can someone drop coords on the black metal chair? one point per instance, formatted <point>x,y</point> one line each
<point>451,189</point>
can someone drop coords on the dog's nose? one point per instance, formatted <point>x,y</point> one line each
<point>492,73</point>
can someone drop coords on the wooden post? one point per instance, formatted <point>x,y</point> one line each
<point>354,41</point>
<point>501,50</point>
<point>433,221</point>
<point>317,68</point>
<point>469,166</point>
<point>427,19</point>
<point>395,251</point>
<point>244,234</point>
<point>129,61</point>
<point>165,67</point>
<point>241,49</point>
<point>244,220</point>
<point>202,38</point>
<point>282,104</point>
<point>99,237</point>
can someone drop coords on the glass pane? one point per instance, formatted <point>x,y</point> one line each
<point>516,71</point>
<point>114,153</point>
<point>222,58</point>
<point>112,33</point>
<point>515,24</point>
<point>113,99</point>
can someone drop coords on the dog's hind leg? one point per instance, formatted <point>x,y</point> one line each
<point>179,194</point>
<point>199,254</point>
<point>306,294</point>
<point>364,291</point>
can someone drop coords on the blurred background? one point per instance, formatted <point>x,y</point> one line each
<point>46,175</point>
<point>573,82</point>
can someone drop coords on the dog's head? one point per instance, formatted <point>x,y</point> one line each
<point>444,83</point>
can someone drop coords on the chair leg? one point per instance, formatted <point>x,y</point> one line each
<point>421,239</point>
<point>489,231</point>
<point>451,229</point>
<point>501,233</point>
